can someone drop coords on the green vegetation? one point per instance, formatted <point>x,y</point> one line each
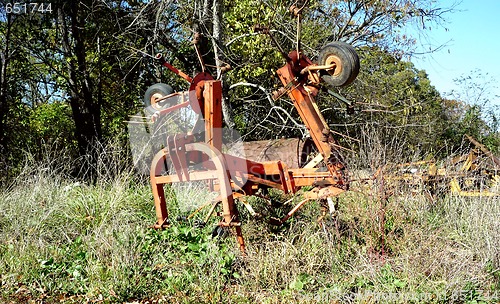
<point>65,240</point>
<point>75,216</point>
<point>71,76</point>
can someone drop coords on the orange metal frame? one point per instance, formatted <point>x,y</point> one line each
<point>181,149</point>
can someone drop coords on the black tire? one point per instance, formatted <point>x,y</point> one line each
<point>159,89</point>
<point>346,57</point>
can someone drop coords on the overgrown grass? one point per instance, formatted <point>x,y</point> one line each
<point>61,240</point>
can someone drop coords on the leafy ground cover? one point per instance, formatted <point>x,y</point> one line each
<point>65,241</point>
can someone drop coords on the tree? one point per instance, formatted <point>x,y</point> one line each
<point>254,58</point>
<point>97,56</point>
<point>381,23</point>
<point>18,79</point>
<point>83,45</point>
<point>70,54</point>
<point>5,57</point>
<point>395,98</point>
<point>474,112</point>
<point>377,24</point>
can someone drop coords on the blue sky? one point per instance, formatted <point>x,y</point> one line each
<point>473,43</point>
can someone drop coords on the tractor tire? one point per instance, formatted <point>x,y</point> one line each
<point>155,92</point>
<point>346,59</point>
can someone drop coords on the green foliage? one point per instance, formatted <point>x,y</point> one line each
<point>472,112</point>
<point>397,98</point>
<point>95,67</point>
<point>301,282</point>
<point>62,240</point>
<point>52,122</point>
<point>67,264</point>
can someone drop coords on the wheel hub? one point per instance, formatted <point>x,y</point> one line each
<point>333,59</point>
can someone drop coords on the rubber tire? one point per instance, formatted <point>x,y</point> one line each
<point>349,59</point>
<point>158,88</point>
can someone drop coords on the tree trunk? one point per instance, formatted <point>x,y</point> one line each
<point>86,111</point>
<point>3,100</point>
<point>4,61</point>
<point>219,62</point>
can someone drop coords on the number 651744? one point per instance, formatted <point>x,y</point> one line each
<point>28,8</point>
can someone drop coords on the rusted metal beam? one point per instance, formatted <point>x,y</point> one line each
<point>484,150</point>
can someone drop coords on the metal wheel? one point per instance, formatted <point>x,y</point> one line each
<point>346,60</point>
<point>153,94</point>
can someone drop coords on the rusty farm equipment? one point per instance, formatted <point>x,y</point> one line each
<point>198,155</point>
<point>471,174</point>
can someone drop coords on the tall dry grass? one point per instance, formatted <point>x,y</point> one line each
<point>64,239</point>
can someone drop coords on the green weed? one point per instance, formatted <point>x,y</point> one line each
<point>61,239</point>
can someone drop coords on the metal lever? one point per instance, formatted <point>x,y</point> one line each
<point>163,62</point>
<point>258,28</point>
